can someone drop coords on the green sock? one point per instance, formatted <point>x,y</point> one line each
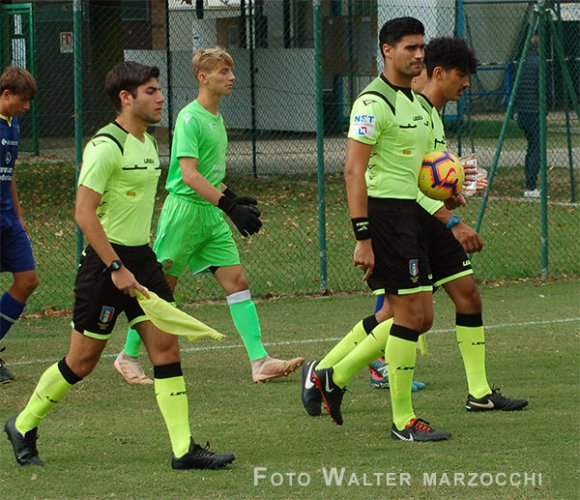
<point>371,348</point>
<point>358,333</point>
<point>132,343</point>
<point>401,355</point>
<point>51,388</point>
<point>245,317</point>
<point>172,400</point>
<point>471,341</point>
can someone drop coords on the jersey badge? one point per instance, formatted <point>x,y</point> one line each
<point>414,270</point>
<point>364,125</point>
<point>106,315</point>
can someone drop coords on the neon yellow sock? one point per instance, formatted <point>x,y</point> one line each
<point>132,343</point>
<point>245,317</point>
<point>471,342</point>
<point>369,349</point>
<point>401,355</point>
<point>172,400</point>
<point>51,388</point>
<point>358,333</point>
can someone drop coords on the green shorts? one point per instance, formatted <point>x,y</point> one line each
<point>193,235</point>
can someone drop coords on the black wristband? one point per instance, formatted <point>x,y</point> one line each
<point>229,193</point>
<point>361,227</point>
<point>226,204</point>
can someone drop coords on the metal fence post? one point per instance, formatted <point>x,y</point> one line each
<point>317,31</point>
<point>78,92</point>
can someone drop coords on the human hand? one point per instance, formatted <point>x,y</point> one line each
<point>468,237</point>
<point>125,281</point>
<point>364,257</point>
<point>240,200</point>
<point>457,200</point>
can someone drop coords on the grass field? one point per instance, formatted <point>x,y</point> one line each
<point>107,439</point>
<point>283,259</point>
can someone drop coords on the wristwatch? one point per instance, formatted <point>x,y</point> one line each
<point>115,265</point>
<point>453,221</point>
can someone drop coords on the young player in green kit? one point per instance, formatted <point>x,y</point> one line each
<point>449,62</point>
<point>114,208</point>
<point>192,232</point>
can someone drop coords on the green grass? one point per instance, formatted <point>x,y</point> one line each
<point>284,258</point>
<point>107,439</point>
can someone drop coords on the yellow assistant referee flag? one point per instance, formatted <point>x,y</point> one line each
<point>169,319</point>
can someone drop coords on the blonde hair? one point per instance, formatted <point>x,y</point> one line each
<point>206,60</point>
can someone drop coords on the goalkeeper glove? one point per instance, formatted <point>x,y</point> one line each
<point>245,217</point>
<point>240,200</point>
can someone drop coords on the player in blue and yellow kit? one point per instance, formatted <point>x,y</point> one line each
<point>114,208</point>
<point>17,89</point>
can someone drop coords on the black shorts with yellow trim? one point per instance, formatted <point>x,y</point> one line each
<point>98,302</point>
<point>400,247</point>
<point>447,257</point>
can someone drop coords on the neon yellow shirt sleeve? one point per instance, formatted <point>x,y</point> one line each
<point>100,159</point>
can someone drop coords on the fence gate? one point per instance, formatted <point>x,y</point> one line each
<point>17,48</point>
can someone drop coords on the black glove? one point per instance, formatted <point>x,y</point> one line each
<point>245,217</point>
<point>240,200</point>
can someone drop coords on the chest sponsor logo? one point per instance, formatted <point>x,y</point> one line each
<point>6,142</point>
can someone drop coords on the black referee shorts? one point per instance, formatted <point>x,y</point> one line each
<point>400,247</point>
<point>98,302</point>
<point>447,257</point>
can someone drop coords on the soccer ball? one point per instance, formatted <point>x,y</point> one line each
<point>441,175</point>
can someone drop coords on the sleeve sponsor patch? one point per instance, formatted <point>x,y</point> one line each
<point>363,125</point>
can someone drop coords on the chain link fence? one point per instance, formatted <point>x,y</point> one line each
<point>299,65</point>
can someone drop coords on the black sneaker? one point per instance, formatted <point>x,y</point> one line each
<point>5,374</point>
<point>494,401</point>
<point>311,398</point>
<point>24,446</point>
<point>201,458</point>
<point>330,392</point>
<point>419,430</point>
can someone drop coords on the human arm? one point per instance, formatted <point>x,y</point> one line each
<point>86,205</point>
<point>357,158</point>
<point>469,239</point>
<point>245,216</point>
<point>16,202</point>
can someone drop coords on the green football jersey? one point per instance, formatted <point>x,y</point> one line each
<point>202,135</point>
<point>393,121</point>
<point>125,171</point>
<point>437,142</point>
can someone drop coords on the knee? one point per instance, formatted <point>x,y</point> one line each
<point>469,302</point>
<point>241,283</point>
<point>165,353</point>
<point>422,321</point>
<point>238,284</point>
<point>81,367</point>
<point>25,285</point>
<point>427,324</point>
